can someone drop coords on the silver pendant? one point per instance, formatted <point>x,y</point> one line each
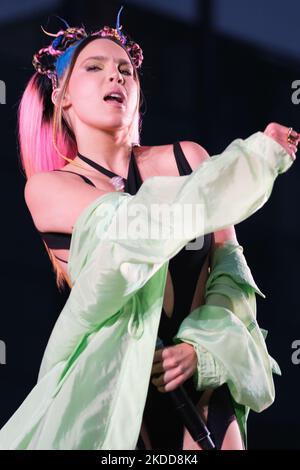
<point>118,182</point>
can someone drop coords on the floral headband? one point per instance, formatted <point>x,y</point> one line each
<point>53,60</point>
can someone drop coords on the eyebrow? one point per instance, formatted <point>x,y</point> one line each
<point>101,57</point>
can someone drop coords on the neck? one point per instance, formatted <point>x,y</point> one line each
<point>111,150</point>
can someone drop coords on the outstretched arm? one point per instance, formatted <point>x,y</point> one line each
<point>107,269</point>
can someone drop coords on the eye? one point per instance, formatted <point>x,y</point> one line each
<point>93,67</point>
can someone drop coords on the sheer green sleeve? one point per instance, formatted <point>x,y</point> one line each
<point>224,331</point>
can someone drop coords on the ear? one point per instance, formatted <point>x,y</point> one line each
<point>55,95</point>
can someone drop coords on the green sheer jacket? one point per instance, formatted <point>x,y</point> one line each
<point>95,372</point>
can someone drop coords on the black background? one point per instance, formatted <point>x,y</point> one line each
<point>201,86</point>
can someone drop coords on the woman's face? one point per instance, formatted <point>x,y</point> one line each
<point>92,79</point>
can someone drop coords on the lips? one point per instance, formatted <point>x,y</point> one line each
<point>115,103</point>
<point>117,91</point>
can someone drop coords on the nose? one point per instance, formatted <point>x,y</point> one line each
<point>116,75</point>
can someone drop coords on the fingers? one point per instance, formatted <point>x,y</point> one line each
<point>284,132</point>
<point>287,137</point>
<point>164,353</point>
<point>166,370</point>
<point>157,368</point>
<point>164,365</point>
<point>172,366</point>
<point>292,150</point>
<point>165,380</point>
<point>167,376</point>
<point>158,355</point>
<point>294,135</point>
<point>172,385</point>
<point>293,140</point>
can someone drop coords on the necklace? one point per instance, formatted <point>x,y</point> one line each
<point>117,180</point>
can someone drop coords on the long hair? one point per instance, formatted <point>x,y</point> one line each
<point>46,141</point>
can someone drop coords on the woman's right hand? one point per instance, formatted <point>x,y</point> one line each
<point>280,134</point>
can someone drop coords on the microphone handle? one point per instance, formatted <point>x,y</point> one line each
<point>191,418</point>
<point>189,414</point>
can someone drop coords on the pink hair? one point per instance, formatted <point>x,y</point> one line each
<point>35,134</point>
<point>44,145</point>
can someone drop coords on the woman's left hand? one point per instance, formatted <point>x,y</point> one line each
<point>172,366</point>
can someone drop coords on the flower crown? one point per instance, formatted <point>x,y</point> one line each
<point>52,60</point>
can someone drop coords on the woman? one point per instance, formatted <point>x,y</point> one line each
<point>90,93</point>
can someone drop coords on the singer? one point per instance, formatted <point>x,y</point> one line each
<point>101,383</point>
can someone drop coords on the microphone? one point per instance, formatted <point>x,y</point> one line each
<point>189,414</point>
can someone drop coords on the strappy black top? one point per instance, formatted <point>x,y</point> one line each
<point>184,268</point>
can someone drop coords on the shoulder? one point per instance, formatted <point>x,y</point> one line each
<point>38,185</point>
<point>194,153</point>
<point>45,184</point>
<point>35,186</point>
<point>55,201</point>
<point>163,155</point>
<point>36,190</point>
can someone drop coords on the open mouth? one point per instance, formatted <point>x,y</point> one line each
<point>114,98</point>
